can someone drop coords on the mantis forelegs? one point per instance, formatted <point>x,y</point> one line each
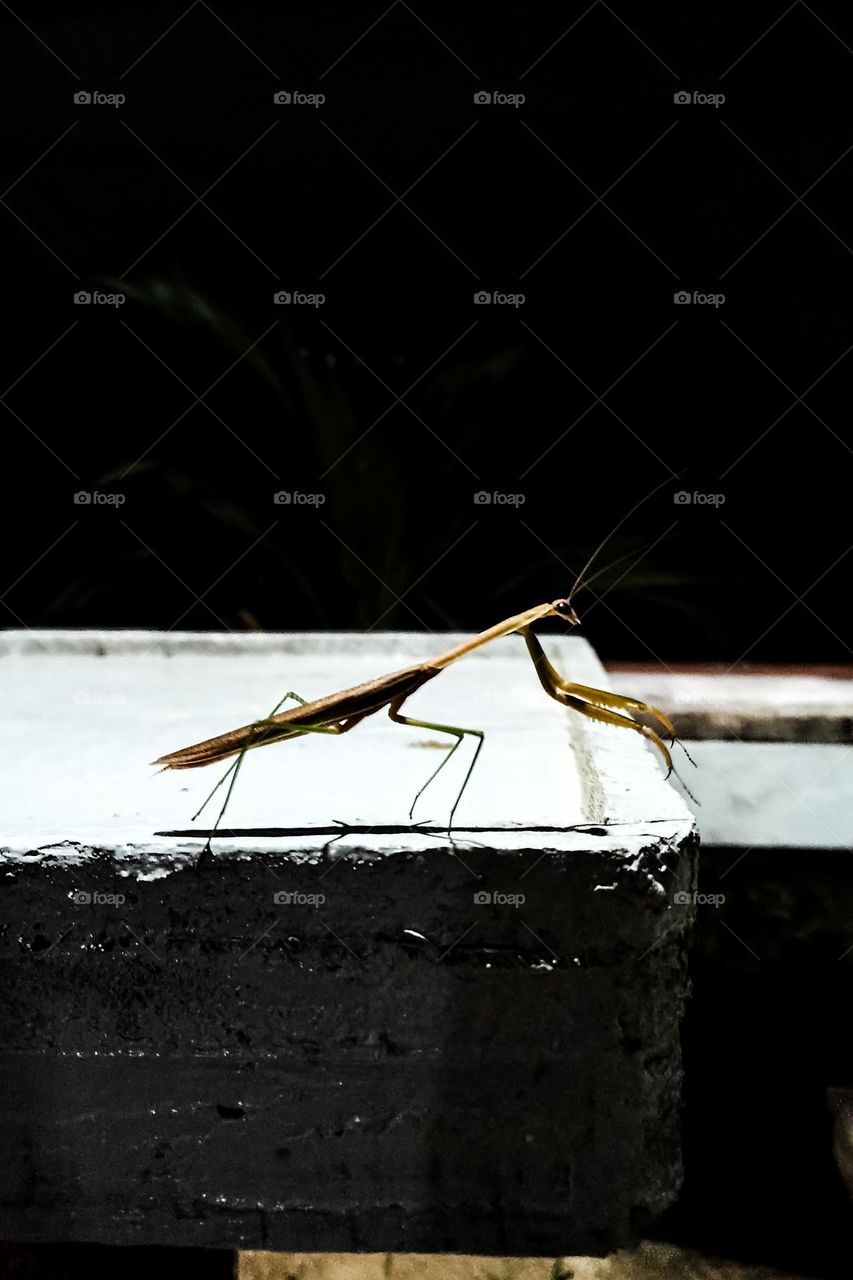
<point>624,722</point>
<point>597,704</point>
<point>601,697</point>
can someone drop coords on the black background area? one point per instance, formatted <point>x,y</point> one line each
<point>400,398</point>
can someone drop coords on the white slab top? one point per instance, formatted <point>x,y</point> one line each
<point>83,714</point>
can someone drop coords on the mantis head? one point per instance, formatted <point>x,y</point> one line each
<point>564,610</point>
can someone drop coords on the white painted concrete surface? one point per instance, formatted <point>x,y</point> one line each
<point>83,713</point>
<point>773,794</point>
<point>774,753</point>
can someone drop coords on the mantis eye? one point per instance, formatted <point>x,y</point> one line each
<point>564,609</point>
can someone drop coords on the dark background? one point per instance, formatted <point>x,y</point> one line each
<point>198,399</point>
<point>598,198</point>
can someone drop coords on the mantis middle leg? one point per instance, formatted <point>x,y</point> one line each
<point>453,731</point>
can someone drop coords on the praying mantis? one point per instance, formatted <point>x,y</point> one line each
<point>338,713</point>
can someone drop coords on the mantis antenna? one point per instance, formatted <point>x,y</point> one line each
<point>615,530</point>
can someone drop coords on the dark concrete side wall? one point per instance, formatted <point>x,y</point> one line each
<point>202,1066</point>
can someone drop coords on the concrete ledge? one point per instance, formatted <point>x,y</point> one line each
<point>334,1043</point>
<point>773,795</point>
<point>773,753</point>
<point>748,708</point>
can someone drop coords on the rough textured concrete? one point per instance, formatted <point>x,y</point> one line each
<point>315,1045</point>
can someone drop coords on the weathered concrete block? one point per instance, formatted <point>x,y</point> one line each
<point>774,753</point>
<point>798,706</point>
<point>333,1038</point>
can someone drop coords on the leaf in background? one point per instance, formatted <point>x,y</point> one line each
<point>184,305</point>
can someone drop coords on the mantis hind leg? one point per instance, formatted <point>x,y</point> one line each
<point>453,731</point>
<point>234,769</point>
